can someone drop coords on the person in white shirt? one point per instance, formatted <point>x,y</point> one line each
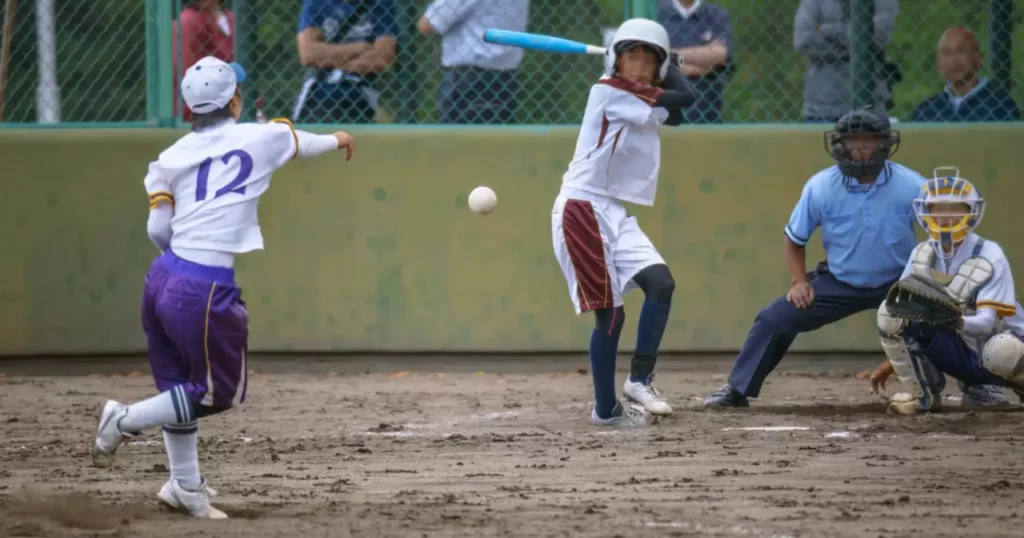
<point>203,197</point>
<point>600,248</point>
<point>985,346</point>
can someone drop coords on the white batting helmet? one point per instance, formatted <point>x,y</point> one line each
<point>643,31</point>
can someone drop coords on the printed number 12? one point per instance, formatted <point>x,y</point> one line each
<point>244,171</point>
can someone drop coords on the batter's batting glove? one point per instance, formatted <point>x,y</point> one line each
<point>675,60</point>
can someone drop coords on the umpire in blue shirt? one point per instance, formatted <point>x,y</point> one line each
<point>863,206</point>
<point>344,44</point>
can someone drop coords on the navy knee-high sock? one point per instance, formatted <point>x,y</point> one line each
<point>604,350</point>
<point>650,329</point>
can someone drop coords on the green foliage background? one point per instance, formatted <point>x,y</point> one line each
<point>101,59</point>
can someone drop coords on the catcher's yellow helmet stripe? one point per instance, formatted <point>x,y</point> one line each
<point>958,230</point>
<point>1003,310</point>
<point>946,186</point>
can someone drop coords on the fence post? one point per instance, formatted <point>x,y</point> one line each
<point>152,69</point>
<point>165,51</point>
<point>863,59</point>
<point>1001,42</point>
<point>642,9</point>
<point>159,70</point>
<point>245,42</point>
<point>407,100</point>
<point>48,88</point>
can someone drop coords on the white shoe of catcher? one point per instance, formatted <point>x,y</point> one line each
<point>108,434</point>
<point>195,503</point>
<point>904,403</point>
<point>646,395</point>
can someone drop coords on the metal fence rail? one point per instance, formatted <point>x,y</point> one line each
<point>118,61</point>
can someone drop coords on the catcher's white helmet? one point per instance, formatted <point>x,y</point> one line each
<point>634,31</point>
<point>948,208</point>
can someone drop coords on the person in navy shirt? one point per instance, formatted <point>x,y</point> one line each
<point>967,97</point>
<point>701,34</point>
<point>344,44</point>
<point>864,207</point>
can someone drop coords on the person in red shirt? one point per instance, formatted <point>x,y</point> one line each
<point>205,28</point>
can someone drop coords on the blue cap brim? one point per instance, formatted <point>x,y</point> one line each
<point>239,72</point>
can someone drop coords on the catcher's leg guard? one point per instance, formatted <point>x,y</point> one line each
<point>910,365</point>
<point>1003,355</point>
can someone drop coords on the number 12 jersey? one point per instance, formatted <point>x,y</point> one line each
<point>214,179</point>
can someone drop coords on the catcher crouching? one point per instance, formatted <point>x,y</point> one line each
<point>953,311</point>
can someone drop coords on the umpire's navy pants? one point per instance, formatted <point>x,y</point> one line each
<point>777,325</point>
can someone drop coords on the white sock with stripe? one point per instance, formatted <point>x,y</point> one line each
<point>182,443</point>
<point>170,407</point>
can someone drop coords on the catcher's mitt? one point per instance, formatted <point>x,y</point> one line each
<point>920,300</point>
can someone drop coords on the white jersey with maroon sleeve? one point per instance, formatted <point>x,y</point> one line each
<point>618,152</point>
<point>214,179</point>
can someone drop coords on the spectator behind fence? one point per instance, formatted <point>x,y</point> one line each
<point>701,34</point>
<point>821,31</point>
<point>344,44</point>
<point>967,96</point>
<point>205,28</point>
<point>479,81</point>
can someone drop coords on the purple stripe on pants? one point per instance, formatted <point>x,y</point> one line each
<point>197,330</point>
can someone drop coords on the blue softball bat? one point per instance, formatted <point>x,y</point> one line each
<point>545,43</point>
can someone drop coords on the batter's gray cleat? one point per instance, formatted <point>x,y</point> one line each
<point>108,435</point>
<point>983,397</point>
<point>629,416</point>
<point>647,396</point>
<point>726,397</point>
<point>194,503</point>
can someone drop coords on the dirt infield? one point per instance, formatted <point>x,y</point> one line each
<point>445,451</point>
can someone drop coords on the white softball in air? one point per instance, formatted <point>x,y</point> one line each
<point>482,200</point>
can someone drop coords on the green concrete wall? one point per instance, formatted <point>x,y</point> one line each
<point>381,253</point>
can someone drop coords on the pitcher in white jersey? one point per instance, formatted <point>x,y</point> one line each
<point>985,346</point>
<point>203,197</point>
<point>601,249</point>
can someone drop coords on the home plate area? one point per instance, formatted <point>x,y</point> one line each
<point>480,452</point>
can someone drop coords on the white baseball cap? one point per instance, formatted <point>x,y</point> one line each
<point>210,84</point>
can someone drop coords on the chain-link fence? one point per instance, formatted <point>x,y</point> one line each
<point>420,61</point>
<point>72,61</point>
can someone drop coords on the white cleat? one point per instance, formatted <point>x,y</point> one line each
<point>904,403</point>
<point>648,396</point>
<point>108,434</point>
<point>194,503</point>
<point>630,416</point>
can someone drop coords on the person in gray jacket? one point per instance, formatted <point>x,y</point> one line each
<point>821,31</point>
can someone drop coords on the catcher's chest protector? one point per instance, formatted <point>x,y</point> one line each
<point>962,286</point>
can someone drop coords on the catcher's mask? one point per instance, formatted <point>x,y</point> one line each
<point>949,208</point>
<point>861,142</point>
